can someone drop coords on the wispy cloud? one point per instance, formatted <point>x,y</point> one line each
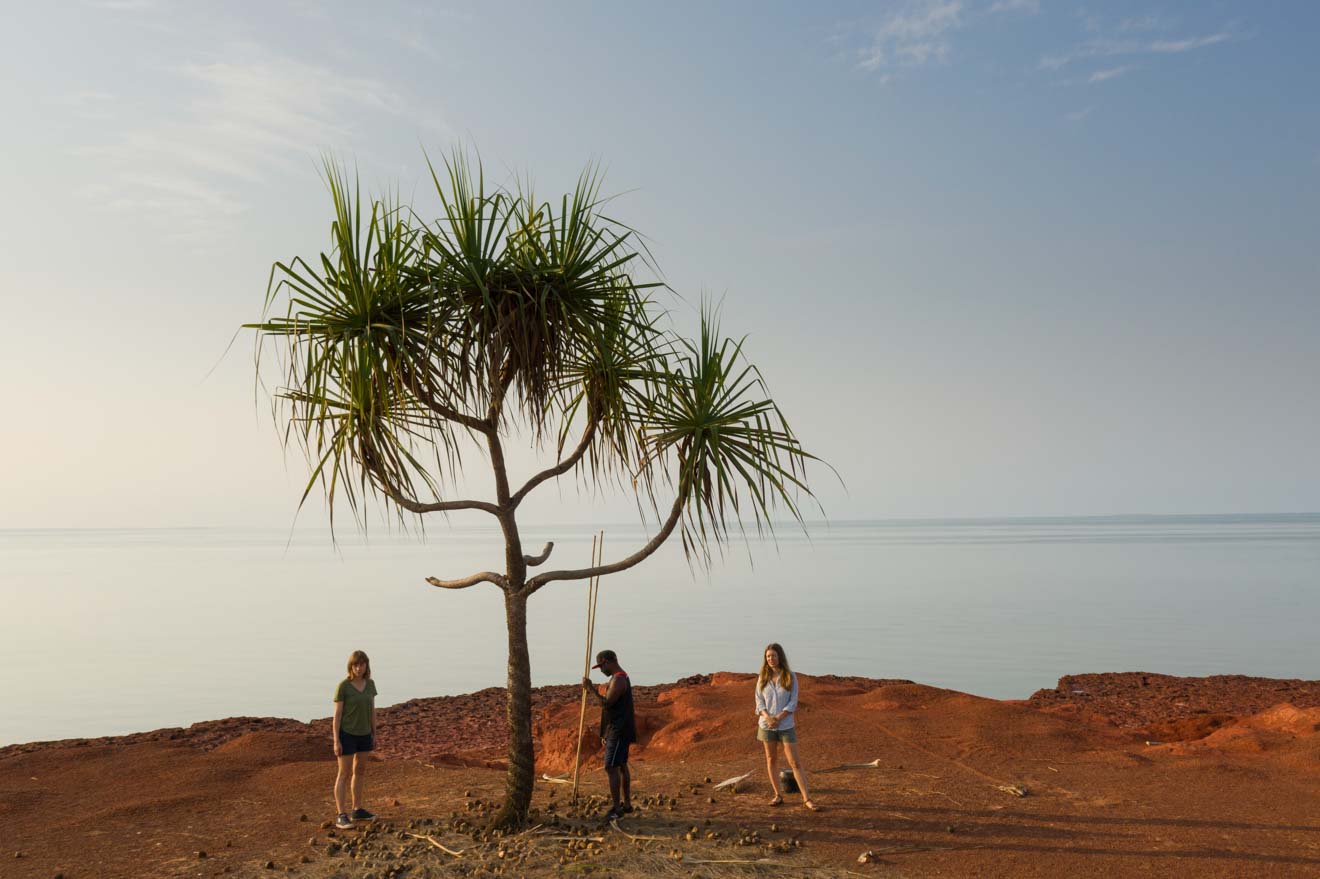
<point>1111,73</point>
<point>1078,115</point>
<point>1030,7</point>
<point>184,191</point>
<point>1190,44</point>
<point>1143,23</point>
<point>124,5</point>
<point>1107,48</point>
<point>89,104</point>
<point>187,209</point>
<point>914,34</point>
<point>251,116</point>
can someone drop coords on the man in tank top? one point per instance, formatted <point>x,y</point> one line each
<point>618,729</point>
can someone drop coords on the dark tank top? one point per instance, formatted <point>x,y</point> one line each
<point>617,720</point>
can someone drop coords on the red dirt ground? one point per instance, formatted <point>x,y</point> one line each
<point>1230,790</point>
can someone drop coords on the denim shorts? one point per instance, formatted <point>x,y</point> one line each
<point>616,753</point>
<point>777,735</point>
<point>351,744</point>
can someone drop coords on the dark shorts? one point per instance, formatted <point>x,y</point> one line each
<point>777,735</point>
<point>351,744</point>
<point>616,753</point>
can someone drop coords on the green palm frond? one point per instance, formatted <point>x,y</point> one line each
<point>361,339</point>
<point>735,453</point>
<point>507,312</point>
<point>524,285</point>
<point>617,374</point>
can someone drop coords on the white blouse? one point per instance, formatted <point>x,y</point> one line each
<point>772,699</point>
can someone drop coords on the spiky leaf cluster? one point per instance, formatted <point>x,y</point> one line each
<point>512,314</point>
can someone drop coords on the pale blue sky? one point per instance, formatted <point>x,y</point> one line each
<point>995,257</point>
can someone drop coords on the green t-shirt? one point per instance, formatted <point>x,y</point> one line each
<point>356,719</point>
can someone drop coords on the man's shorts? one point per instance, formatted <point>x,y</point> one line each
<point>616,753</point>
<point>351,744</point>
<point>777,735</point>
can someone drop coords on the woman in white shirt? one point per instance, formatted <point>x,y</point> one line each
<point>776,704</point>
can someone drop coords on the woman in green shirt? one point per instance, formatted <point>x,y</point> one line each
<point>354,728</point>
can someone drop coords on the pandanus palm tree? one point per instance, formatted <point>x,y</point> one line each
<point>511,317</point>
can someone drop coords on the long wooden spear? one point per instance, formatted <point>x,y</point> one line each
<point>593,591</point>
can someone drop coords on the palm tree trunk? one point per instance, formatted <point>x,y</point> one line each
<point>522,768</point>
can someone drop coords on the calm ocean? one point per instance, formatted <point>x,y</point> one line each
<point>115,631</point>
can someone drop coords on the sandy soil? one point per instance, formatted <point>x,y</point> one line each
<point>1229,789</point>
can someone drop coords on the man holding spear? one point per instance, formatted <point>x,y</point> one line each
<point>618,729</point>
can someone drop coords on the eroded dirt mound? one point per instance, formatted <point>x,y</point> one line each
<point>707,719</point>
<point>271,748</point>
<point>1280,727</point>
<point>1189,729</point>
<point>1171,708</point>
<point>904,695</point>
<point>1287,719</point>
<point>206,735</point>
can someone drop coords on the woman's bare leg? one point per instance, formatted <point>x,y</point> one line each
<point>359,782</point>
<point>791,751</point>
<point>772,768</point>
<point>341,782</point>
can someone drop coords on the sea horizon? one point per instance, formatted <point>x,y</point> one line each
<point>1024,519</point>
<point>122,630</point>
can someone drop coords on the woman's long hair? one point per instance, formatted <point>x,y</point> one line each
<point>784,675</point>
<point>358,656</point>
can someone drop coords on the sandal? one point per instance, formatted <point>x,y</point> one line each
<point>777,801</point>
<point>810,805</point>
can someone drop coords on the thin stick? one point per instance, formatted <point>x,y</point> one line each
<point>904,849</point>
<point>874,764</point>
<point>615,825</point>
<point>595,592</point>
<point>586,669</point>
<point>448,851</point>
<point>592,586</point>
<point>575,838</point>
<point>591,620</point>
<point>941,793</point>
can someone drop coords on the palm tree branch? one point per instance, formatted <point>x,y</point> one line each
<point>471,580</point>
<point>675,514</point>
<point>559,469</point>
